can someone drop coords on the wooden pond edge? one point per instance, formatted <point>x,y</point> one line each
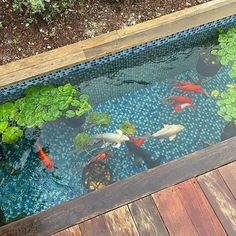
<point>114,41</point>
<point>123,192</point>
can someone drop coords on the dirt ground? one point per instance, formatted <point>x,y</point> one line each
<point>19,39</point>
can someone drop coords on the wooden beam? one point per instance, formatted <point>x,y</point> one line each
<point>125,191</point>
<point>115,41</point>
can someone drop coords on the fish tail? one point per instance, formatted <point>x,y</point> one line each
<point>206,93</point>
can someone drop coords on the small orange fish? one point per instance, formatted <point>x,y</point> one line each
<point>137,141</point>
<point>183,106</point>
<point>101,156</point>
<point>47,162</point>
<point>185,86</point>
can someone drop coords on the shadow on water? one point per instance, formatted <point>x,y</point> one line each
<point>139,152</point>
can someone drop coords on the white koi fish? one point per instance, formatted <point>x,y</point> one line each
<point>169,131</point>
<point>111,138</point>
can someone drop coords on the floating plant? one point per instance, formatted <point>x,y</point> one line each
<point>227,50</point>
<point>81,141</point>
<point>128,128</point>
<point>39,105</point>
<point>96,119</point>
<point>227,104</point>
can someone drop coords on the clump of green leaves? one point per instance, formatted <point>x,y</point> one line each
<point>10,133</point>
<point>81,141</point>
<point>46,9</point>
<point>227,50</point>
<point>96,119</point>
<point>128,128</point>
<point>39,105</point>
<point>227,104</point>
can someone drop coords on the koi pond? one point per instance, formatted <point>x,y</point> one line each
<point>77,130</point>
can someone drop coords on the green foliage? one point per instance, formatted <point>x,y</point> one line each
<point>8,112</point>
<point>11,135</point>
<point>227,104</point>
<point>227,50</point>
<point>96,118</point>
<point>128,128</point>
<point>39,105</point>
<point>81,141</point>
<point>46,9</point>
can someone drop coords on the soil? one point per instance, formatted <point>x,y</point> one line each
<point>19,39</point>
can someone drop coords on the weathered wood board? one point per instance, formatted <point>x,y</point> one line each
<point>198,209</point>
<point>173,213</point>
<point>147,218</point>
<point>94,227</point>
<point>228,172</point>
<point>221,199</point>
<point>119,222</point>
<point>73,231</point>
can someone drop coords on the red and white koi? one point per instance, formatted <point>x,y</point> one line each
<point>183,106</point>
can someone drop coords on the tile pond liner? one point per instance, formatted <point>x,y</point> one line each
<point>129,85</point>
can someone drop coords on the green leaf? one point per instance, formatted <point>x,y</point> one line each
<point>81,141</point>
<point>128,128</point>
<point>11,135</point>
<point>3,126</point>
<point>70,114</point>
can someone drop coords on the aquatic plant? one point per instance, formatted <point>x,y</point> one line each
<point>10,133</point>
<point>215,93</point>
<point>39,105</point>
<point>227,104</point>
<point>96,119</point>
<point>81,141</point>
<point>128,128</point>
<point>227,50</point>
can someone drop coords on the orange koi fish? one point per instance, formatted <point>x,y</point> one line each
<point>101,156</point>
<point>47,162</point>
<point>179,99</point>
<point>185,86</point>
<point>137,141</point>
<point>182,106</point>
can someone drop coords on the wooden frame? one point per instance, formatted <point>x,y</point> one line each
<point>115,41</point>
<point>140,185</point>
<point>128,190</point>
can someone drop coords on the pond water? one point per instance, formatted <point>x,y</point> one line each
<point>171,88</point>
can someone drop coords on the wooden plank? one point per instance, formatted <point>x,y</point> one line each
<point>198,209</point>
<point>73,231</point>
<point>221,199</point>
<point>228,172</point>
<point>125,191</point>
<point>119,222</point>
<point>94,227</point>
<point>147,217</point>
<point>115,41</point>
<point>173,213</point>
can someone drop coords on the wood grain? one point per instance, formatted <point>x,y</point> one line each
<point>147,217</point>
<point>198,209</point>
<point>228,172</point>
<point>73,231</point>
<point>119,222</point>
<point>125,191</point>
<point>94,227</point>
<point>115,41</point>
<point>221,199</point>
<point>173,213</point>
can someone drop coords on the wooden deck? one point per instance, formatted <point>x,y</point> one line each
<point>205,205</point>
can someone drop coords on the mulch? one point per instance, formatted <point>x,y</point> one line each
<point>19,39</point>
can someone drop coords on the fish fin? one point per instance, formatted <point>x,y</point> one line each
<point>116,145</point>
<point>162,140</point>
<point>165,125</point>
<point>118,131</point>
<point>172,137</point>
<point>147,136</point>
<point>105,145</point>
